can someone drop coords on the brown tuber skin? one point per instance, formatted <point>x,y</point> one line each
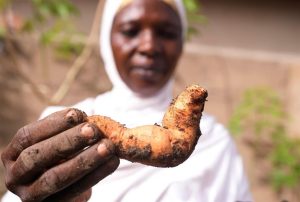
<point>162,146</point>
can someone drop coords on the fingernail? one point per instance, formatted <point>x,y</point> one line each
<point>89,133</point>
<point>105,148</point>
<point>75,116</point>
<point>72,117</point>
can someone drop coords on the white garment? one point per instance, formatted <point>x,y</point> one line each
<point>213,173</point>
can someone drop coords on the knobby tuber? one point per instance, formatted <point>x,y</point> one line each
<point>162,146</point>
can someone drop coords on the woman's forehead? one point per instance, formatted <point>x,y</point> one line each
<point>169,2</point>
<point>156,10</point>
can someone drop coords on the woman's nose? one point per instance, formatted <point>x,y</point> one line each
<point>149,44</point>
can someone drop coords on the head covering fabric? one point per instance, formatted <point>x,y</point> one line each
<point>169,2</point>
<point>121,98</point>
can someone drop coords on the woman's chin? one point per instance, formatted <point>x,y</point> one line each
<point>146,83</point>
<point>145,89</point>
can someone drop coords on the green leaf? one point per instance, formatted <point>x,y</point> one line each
<point>192,8</point>
<point>235,126</point>
<point>281,179</point>
<point>4,4</point>
<point>28,26</point>
<point>192,5</point>
<point>2,32</point>
<point>66,48</point>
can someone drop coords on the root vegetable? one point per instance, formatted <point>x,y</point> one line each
<point>162,146</point>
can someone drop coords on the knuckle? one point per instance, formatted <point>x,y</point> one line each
<point>82,197</point>
<point>28,197</point>
<point>84,164</point>
<point>28,158</point>
<point>20,191</point>
<point>4,158</point>
<point>81,162</point>
<point>9,183</point>
<point>16,188</point>
<point>23,137</point>
<point>68,141</point>
<point>52,181</point>
<point>20,141</point>
<point>48,184</point>
<point>24,197</point>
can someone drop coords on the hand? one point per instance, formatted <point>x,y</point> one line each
<point>58,158</point>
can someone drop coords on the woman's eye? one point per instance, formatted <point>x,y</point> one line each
<point>168,33</point>
<point>130,32</point>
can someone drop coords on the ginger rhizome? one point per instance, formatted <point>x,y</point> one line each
<point>162,146</point>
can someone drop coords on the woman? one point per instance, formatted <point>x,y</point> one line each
<point>141,42</point>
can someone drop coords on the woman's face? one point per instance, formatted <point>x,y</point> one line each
<point>146,41</point>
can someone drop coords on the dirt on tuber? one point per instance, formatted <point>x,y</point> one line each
<point>167,145</point>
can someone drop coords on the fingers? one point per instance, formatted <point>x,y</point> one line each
<point>41,130</point>
<point>87,181</point>
<point>35,159</point>
<point>80,197</point>
<point>65,174</point>
<point>85,196</point>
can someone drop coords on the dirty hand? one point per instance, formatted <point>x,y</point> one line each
<point>58,158</point>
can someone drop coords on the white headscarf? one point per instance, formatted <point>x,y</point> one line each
<point>121,98</point>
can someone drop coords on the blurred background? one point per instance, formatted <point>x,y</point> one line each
<point>246,53</point>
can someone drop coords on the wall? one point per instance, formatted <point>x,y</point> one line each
<point>227,73</point>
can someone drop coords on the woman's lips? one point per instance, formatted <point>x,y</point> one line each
<point>144,72</point>
<point>147,71</point>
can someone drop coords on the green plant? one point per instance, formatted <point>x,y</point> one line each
<point>49,26</point>
<point>60,30</point>
<point>194,16</point>
<point>50,21</point>
<point>262,113</point>
<point>4,4</point>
